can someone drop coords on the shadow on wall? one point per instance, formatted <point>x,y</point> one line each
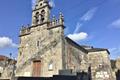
<point>79,76</point>
<point>118,75</point>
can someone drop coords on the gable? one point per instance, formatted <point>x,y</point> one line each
<point>71,42</point>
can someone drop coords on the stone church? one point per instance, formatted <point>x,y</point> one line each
<point>45,51</point>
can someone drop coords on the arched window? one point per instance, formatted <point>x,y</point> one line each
<point>37,17</point>
<point>43,12</point>
<point>41,4</point>
<point>42,15</point>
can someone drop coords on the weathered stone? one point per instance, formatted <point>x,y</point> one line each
<point>118,63</point>
<point>44,50</point>
<point>6,67</point>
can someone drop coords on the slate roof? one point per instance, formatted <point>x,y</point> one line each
<point>86,48</point>
<point>76,45</point>
<point>2,58</point>
<point>97,49</point>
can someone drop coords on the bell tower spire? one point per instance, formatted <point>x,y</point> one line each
<point>41,12</point>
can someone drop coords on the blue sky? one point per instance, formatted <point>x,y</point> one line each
<point>89,22</point>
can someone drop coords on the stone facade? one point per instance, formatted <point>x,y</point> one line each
<point>44,50</point>
<point>116,68</point>
<point>118,63</point>
<point>100,65</point>
<point>43,41</point>
<point>6,67</point>
<point>76,56</point>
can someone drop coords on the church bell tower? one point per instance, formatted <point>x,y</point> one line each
<point>41,43</point>
<point>41,12</point>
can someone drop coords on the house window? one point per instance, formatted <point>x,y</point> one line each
<point>50,66</point>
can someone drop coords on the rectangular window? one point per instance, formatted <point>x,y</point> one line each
<point>38,44</point>
<point>50,66</point>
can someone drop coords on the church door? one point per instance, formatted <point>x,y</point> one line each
<point>36,68</point>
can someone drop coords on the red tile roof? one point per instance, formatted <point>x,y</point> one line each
<point>2,58</point>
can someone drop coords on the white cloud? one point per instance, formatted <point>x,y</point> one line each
<point>115,52</point>
<point>33,4</point>
<point>78,36</point>
<point>86,17</point>
<point>52,3</point>
<point>78,26</point>
<point>6,42</point>
<point>89,15</point>
<point>116,23</point>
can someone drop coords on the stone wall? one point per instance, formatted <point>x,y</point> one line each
<point>43,44</point>
<point>6,68</point>
<point>100,65</point>
<point>118,75</point>
<point>44,41</point>
<point>118,63</point>
<point>76,57</point>
<point>1,66</point>
<point>7,72</point>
